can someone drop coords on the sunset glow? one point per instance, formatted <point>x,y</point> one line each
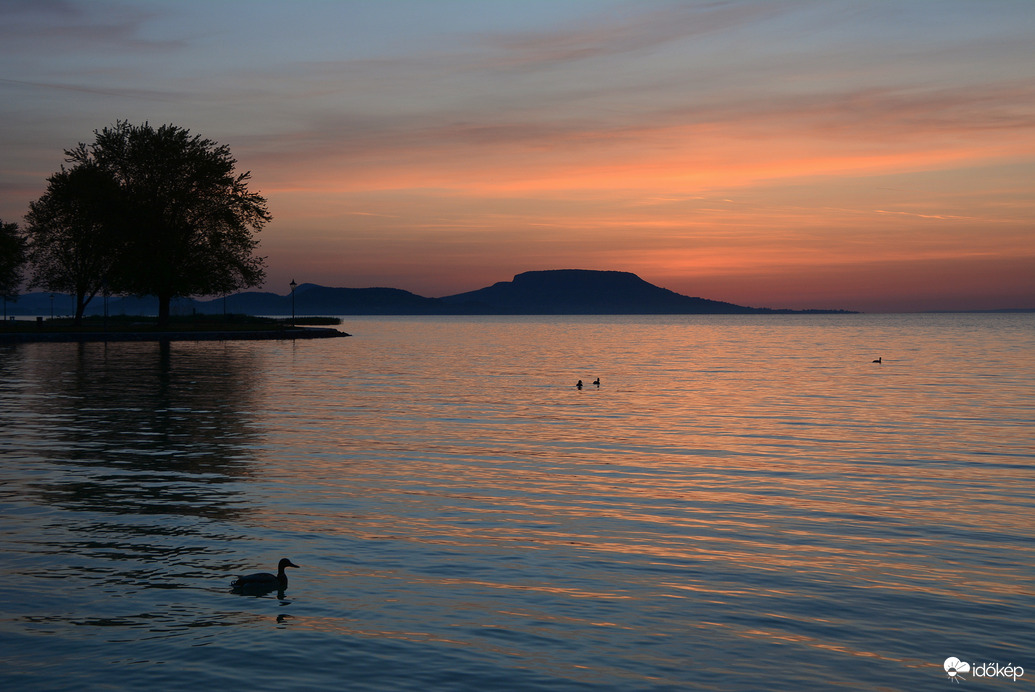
<point>862,155</point>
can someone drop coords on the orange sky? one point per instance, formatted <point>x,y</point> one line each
<point>863,155</point>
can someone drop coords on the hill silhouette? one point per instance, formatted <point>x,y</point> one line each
<point>551,292</point>
<point>583,291</point>
<point>313,299</point>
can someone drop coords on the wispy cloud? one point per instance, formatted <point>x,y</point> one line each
<point>68,26</point>
<point>129,92</point>
<point>935,217</point>
<point>637,29</point>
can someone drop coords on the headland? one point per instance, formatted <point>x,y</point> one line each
<point>195,328</point>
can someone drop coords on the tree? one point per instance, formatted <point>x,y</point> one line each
<point>186,220</point>
<point>12,261</point>
<point>74,233</point>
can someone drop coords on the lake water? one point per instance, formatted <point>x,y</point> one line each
<point>743,503</point>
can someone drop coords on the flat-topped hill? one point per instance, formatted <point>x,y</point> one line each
<point>581,291</point>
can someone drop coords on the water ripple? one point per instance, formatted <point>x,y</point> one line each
<point>722,513</point>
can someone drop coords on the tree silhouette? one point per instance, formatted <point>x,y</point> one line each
<point>12,261</point>
<point>185,219</point>
<point>74,233</point>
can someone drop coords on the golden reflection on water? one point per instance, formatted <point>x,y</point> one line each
<point>740,481</point>
<point>698,454</point>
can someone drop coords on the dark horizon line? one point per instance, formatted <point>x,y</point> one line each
<point>94,309</point>
<point>636,296</point>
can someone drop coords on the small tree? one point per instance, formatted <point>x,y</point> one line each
<point>12,261</point>
<point>75,234</point>
<point>186,219</point>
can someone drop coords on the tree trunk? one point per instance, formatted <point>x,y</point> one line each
<point>80,308</point>
<point>163,310</point>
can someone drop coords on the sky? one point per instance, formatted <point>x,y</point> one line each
<point>871,155</point>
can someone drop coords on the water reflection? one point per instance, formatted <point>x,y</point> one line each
<point>720,487</point>
<point>127,461</point>
<point>723,513</point>
<point>137,429</point>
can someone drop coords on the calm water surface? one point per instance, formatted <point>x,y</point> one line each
<point>744,503</point>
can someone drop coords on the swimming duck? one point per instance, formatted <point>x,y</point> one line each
<point>878,359</point>
<point>264,581</point>
<point>578,385</point>
<point>597,382</point>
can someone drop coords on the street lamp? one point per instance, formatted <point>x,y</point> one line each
<point>293,284</point>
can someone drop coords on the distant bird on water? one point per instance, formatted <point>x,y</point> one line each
<point>578,385</point>
<point>597,382</point>
<point>878,359</point>
<point>262,582</point>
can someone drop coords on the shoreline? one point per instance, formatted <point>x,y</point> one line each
<point>172,335</point>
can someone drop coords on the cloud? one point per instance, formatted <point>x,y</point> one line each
<point>690,137</point>
<point>129,92</point>
<point>65,26</point>
<point>691,150</point>
<point>936,217</point>
<point>546,110</point>
<point>637,29</point>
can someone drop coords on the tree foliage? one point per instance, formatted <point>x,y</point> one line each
<point>73,231</point>
<point>12,260</point>
<point>179,218</point>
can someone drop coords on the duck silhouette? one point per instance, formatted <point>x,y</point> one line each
<point>878,359</point>
<point>597,382</point>
<point>263,582</point>
<point>578,385</point>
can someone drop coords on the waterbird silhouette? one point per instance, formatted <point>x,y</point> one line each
<point>878,359</point>
<point>597,382</point>
<point>263,582</point>
<point>578,385</point>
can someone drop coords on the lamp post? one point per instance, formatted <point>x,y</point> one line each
<point>293,284</point>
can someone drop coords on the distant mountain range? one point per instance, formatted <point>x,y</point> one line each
<point>555,292</point>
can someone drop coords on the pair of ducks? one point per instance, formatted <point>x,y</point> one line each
<point>578,385</point>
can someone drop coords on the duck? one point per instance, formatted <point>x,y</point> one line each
<point>597,382</point>
<point>878,359</point>
<point>578,385</point>
<point>264,581</point>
